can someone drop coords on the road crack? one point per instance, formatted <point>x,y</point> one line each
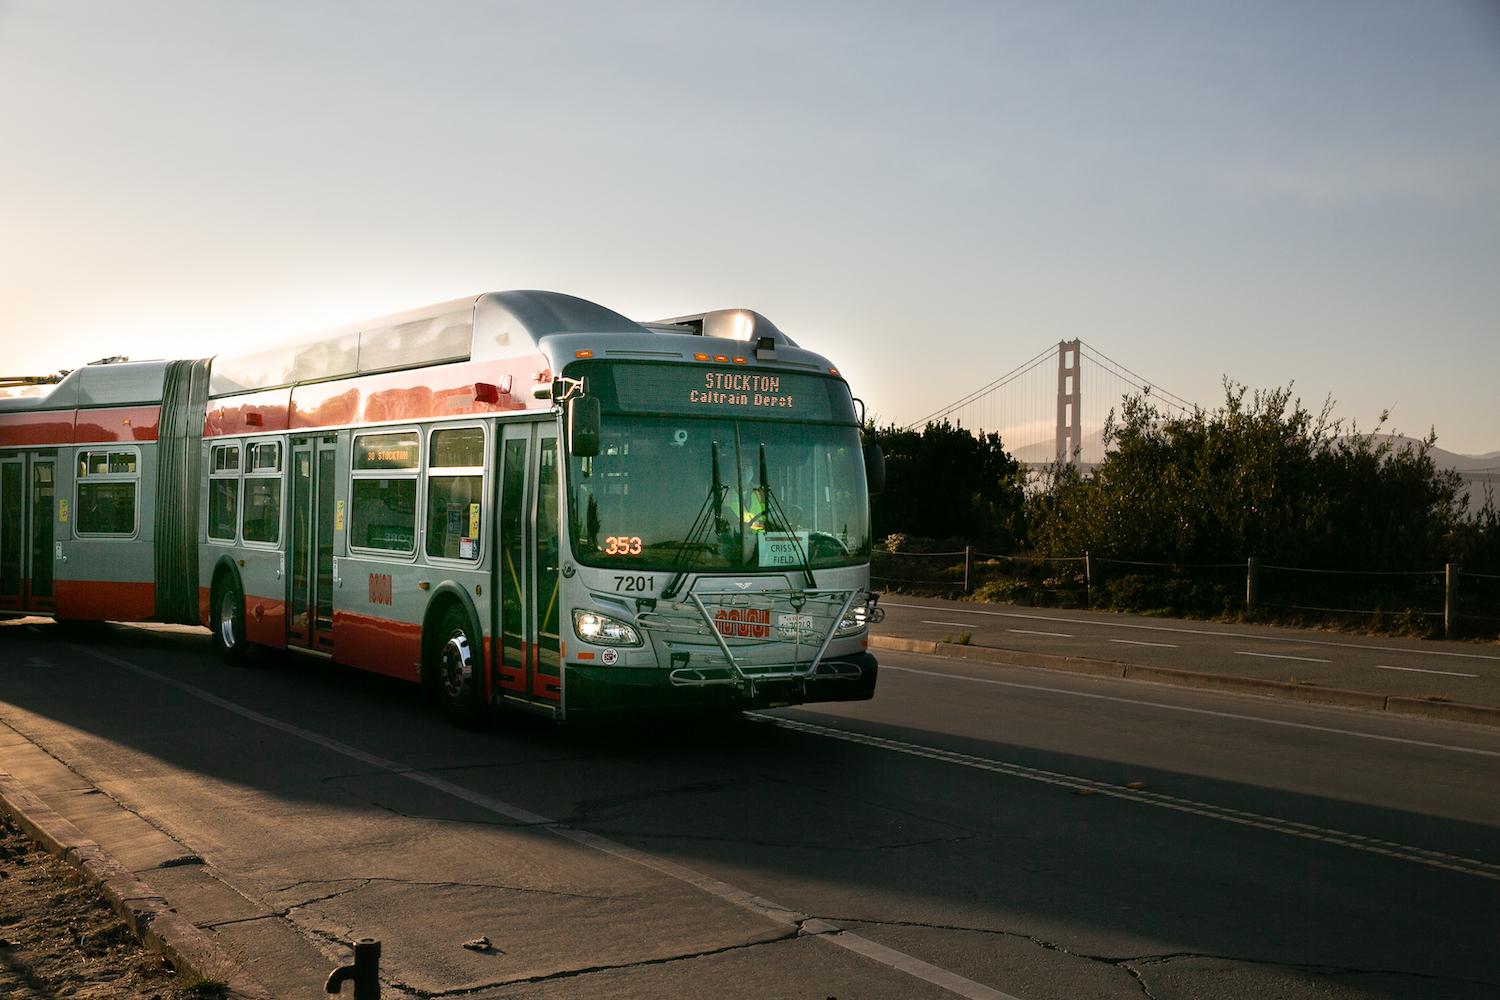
<point>1129,963</point>
<point>369,880</point>
<point>563,974</point>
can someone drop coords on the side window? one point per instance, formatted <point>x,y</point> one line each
<point>262,514</point>
<point>383,497</point>
<point>223,491</point>
<point>108,483</point>
<point>455,492</point>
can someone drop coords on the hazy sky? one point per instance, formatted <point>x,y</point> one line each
<point>928,193</point>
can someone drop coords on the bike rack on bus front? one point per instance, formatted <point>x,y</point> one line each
<point>746,676</point>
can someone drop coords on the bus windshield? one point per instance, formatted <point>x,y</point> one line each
<point>635,504</point>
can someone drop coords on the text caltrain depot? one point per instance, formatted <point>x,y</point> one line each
<point>740,389</point>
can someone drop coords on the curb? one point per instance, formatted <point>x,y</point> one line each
<point>150,917</point>
<point>1312,694</point>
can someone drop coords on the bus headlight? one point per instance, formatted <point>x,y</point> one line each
<point>602,630</point>
<point>852,623</point>
<point>860,617</point>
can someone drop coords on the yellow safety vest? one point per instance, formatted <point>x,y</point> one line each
<point>755,507</point>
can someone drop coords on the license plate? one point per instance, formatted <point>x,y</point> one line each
<point>789,626</point>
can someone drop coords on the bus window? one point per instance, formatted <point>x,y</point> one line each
<point>455,489</point>
<point>263,510</point>
<point>107,485</point>
<point>383,500</point>
<point>264,456</point>
<point>223,492</point>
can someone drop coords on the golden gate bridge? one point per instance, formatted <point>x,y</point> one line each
<point>1053,407</point>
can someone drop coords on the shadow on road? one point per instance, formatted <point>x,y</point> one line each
<point>847,832</point>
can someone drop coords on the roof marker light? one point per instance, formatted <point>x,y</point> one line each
<point>739,361</point>
<point>833,371</point>
<point>583,354</point>
<point>721,357</point>
<point>700,357</point>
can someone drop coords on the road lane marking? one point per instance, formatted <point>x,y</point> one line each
<point>1192,711</point>
<point>1419,670</point>
<point>1202,631</point>
<point>812,926</point>
<point>1281,656</point>
<point>1137,642</point>
<point>1291,828</point>
<point>1028,631</point>
<point>955,624</point>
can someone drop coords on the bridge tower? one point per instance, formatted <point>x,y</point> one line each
<point>1069,403</point>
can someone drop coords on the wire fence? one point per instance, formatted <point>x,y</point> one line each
<point>1440,601</point>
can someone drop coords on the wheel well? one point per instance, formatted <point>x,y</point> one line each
<point>222,572</point>
<point>436,609</point>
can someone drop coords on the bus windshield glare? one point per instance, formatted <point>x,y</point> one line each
<point>635,504</point>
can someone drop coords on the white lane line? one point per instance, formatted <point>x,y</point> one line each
<point>1280,656</point>
<point>1419,670</point>
<point>1028,631</point>
<point>1291,828</point>
<point>1203,631</point>
<point>955,624</point>
<point>1137,642</point>
<point>775,912</point>
<point>1191,711</point>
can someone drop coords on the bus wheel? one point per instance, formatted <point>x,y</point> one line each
<point>228,623</point>
<point>458,666</point>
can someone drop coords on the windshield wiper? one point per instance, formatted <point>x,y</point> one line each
<point>777,515</point>
<point>711,514</point>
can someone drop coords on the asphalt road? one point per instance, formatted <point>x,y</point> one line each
<point>975,830</point>
<point>1458,671</point>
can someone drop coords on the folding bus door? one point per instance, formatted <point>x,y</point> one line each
<point>28,511</point>
<point>546,607</point>
<point>310,554</point>
<point>530,599</point>
<point>513,565</point>
<point>12,532</point>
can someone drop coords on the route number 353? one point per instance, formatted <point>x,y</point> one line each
<point>622,545</point>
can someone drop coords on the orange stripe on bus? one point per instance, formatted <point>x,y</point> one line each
<point>97,600</point>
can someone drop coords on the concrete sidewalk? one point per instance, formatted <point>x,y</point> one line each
<point>1451,681</point>
<point>118,851</point>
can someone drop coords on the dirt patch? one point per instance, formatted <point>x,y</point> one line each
<point>58,938</point>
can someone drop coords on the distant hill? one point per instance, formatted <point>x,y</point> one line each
<point>1489,462</point>
<point>1479,471</point>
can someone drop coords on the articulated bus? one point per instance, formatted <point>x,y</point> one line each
<point>521,499</point>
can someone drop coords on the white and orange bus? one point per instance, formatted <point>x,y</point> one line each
<point>520,499</point>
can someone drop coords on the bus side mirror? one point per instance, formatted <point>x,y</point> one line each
<point>584,417</point>
<point>875,468</point>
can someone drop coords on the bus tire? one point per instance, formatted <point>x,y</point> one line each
<point>457,656</point>
<point>227,622</point>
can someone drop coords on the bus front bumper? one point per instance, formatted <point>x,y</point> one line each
<point>611,691</point>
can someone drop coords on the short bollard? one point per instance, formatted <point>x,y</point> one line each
<point>364,973</point>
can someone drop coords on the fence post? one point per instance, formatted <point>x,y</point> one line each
<point>1088,579</point>
<point>1252,584</point>
<point>1450,592</point>
<point>968,566</point>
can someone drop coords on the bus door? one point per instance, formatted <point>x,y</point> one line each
<point>28,510</point>
<point>310,554</point>
<point>530,557</point>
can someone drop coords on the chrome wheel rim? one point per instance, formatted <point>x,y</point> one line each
<point>226,620</point>
<point>458,667</point>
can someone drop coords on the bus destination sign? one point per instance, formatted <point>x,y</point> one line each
<point>741,389</point>
<point>704,391</point>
